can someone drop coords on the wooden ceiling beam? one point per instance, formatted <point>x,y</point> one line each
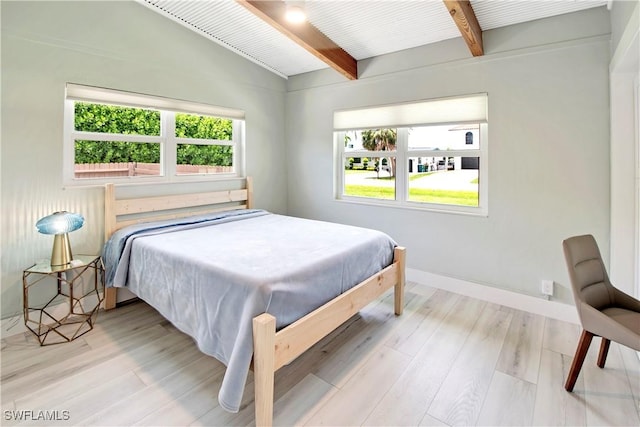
<point>466,21</point>
<point>305,34</point>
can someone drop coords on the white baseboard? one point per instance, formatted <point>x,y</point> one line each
<point>511,299</point>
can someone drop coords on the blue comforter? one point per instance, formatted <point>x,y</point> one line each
<point>210,275</point>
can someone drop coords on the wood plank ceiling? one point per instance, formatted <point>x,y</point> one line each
<point>306,35</point>
<point>338,34</point>
<point>273,12</point>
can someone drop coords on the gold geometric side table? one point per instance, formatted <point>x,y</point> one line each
<point>65,305</point>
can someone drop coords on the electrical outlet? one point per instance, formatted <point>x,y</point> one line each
<point>547,287</point>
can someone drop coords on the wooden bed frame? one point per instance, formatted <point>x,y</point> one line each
<point>272,349</point>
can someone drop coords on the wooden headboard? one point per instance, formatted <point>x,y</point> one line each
<point>119,213</point>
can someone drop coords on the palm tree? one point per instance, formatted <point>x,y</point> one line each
<point>381,140</point>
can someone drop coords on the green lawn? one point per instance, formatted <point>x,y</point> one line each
<point>370,191</point>
<point>447,197</point>
<point>419,175</point>
<point>421,195</point>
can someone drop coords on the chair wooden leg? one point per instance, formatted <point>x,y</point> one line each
<point>578,359</point>
<point>604,350</point>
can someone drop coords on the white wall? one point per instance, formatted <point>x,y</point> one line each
<point>548,149</point>
<point>625,169</point>
<point>119,45</point>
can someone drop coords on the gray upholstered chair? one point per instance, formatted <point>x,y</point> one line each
<point>603,310</point>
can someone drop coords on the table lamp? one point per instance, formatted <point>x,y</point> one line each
<point>60,224</point>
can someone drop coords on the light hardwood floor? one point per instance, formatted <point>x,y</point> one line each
<point>448,360</point>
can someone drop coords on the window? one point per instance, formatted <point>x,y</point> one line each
<point>469,138</point>
<point>423,155</point>
<point>112,135</point>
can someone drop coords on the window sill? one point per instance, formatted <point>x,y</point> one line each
<point>443,209</point>
<point>138,181</point>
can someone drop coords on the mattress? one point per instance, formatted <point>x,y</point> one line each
<point>210,275</point>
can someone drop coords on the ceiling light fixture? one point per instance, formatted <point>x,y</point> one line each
<point>295,15</point>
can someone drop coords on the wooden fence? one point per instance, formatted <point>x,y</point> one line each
<point>108,170</point>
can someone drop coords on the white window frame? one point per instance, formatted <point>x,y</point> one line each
<point>167,139</point>
<point>402,117</point>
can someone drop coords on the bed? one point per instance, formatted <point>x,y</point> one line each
<point>254,289</point>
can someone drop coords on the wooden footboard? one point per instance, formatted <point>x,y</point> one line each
<point>272,350</point>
